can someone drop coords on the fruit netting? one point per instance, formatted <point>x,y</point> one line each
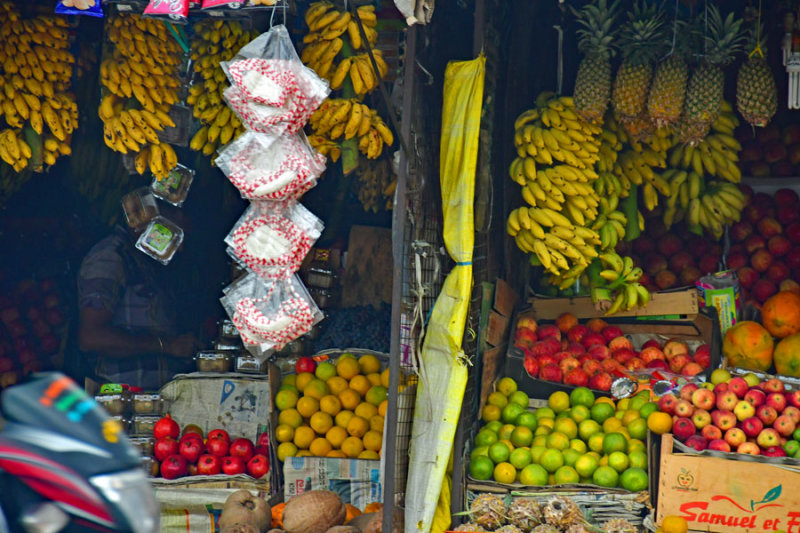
<point>443,371</point>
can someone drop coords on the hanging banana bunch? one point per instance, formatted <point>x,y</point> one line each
<point>35,99</point>
<point>376,185</point>
<point>140,77</point>
<point>615,284</point>
<point>216,41</point>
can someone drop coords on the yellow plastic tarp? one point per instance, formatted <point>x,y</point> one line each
<point>443,371</point>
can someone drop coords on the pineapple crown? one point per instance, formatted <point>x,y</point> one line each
<point>642,41</point>
<point>724,38</point>
<point>596,36</point>
<point>756,46</point>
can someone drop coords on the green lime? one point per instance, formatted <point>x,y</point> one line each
<point>637,402</point>
<point>796,434</point>
<point>539,440</point>
<point>634,479</point>
<point>791,447</point>
<point>587,428</point>
<point>638,459</point>
<point>520,398</point>
<point>605,476</point>
<point>507,386</point>
<point>533,475</point>
<point>570,456</point>
<point>578,445</point>
<point>581,396</point>
<point>536,453</point>
<point>580,413</point>
<point>520,458</point>
<point>586,465</point>
<point>481,468</point>
<point>647,409</point>
<point>510,412</point>
<point>485,438</point>
<point>490,413</point>
<point>494,425</point>
<point>564,414</point>
<point>618,461</point>
<point>544,412</point>
<point>479,451</point>
<point>552,460</point>
<point>638,428</point>
<point>566,475</point>
<point>521,436</point>
<point>542,430</point>
<point>624,404</point>
<point>497,398</point>
<point>499,452</point>
<point>636,445</point>
<point>567,426</point>
<point>558,441</point>
<point>527,419</point>
<point>505,431</point>
<point>601,411</point>
<point>595,442</point>
<point>614,442</point>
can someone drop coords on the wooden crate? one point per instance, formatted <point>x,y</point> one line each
<point>724,495</point>
<point>682,303</point>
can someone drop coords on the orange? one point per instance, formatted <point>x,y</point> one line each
<point>369,364</point>
<point>336,385</point>
<point>357,426</point>
<point>302,380</point>
<point>290,417</point>
<point>366,410</point>
<point>285,399</point>
<point>505,473</point>
<point>307,406</point>
<point>369,454</point>
<point>490,413</point>
<point>382,407</point>
<point>385,378</point>
<point>336,453</point>
<point>330,404</point>
<point>321,422</point>
<point>376,394</point>
<point>343,417</point>
<point>289,379</point>
<point>284,433</point>
<point>659,423</point>
<point>304,453</point>
<point>320,447</point>
<point>374,378</point>
<point>303,436</point>
<point>347,367</point>
<point>316,388</point>
<point>360,384</point>
<point>507,386</point>
<point>350,399</point>
<point>372,440</point>
<point>336,436</point>
<point>674,524</point>
<point>286,449</point>
<point>352,446</point>
<point>376,423</point>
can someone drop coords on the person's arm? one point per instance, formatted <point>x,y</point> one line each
<point>96,334</point>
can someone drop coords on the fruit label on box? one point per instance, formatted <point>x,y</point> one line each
<point>722,291</point>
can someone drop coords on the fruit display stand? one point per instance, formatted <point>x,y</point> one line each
<point>670,315</point>
<point>724,494</point>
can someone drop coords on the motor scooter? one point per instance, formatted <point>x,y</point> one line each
<point>66,465</point>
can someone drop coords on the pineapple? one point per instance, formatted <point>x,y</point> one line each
<point>546,528</point>
<point>577,528</point>
<point>593,81</point>
<point>704,92</point>
<point>488,511</point>
<point>562,512</point>
<point>668,91</point>
<point>469,526</point>
<point>756,95</point>
<point>640,43</point>
<point>525,513</point>
<point>508,528</point>
<point>619,525</point>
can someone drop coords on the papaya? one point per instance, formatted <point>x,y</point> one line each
<point>787,356</point>
<point>780,314</point>
<point>748,345</point>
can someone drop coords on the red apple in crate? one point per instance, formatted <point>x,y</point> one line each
<point>651,343</point>
<point>755,396</point>
<point>669,245</point>
<point>719,445</point>
<point>792,258</point>
<point>697,442</point>
<point>667,403</point>
<point>773,385</point>
<point>164,447</point>
<point>709,263</point>
<point>702,358</point>
<point>684,408</point>
<point>233,464</point>
<point>766,414</point>
<point>596,325</point>
<point>777,401</point>
<point>599,352</point>
<point>666,279</point>
<point>209,465</point>
<point>683,428</point>
<point>784,425</point>
<point>775,451</point>
<point>786,215</point>
<point>793,398</point>
<point>741,230</point>
<point>690,275</point>
<point>747,277</point>
<point>703,398</point>
<point>724,420</point>
<point>166,427</point>
<point>551,372</point>
<point>719,388</point>
<point>174,466</point>
<point>191,449</point>
<point>525,338</point>
<point>547,359</point>
<point>634,364</point>
<point>752,426</point>
<point>657,364</point>
<point>531,365</point>
<point>566,321</point>
<point>623,355</point>
<point>615,338</point>
<point>768,437</point>
<point>577,333</point>
<point>691,369</point>
<point>761,260</point>
<point>528,323</point>
<point>675,347</point>
<point>651,353</point>
<point>591,367</point>
<point>701,418</point>
<point>600,381</point>
<point>778,272</point>
<point>561,356</point>
<point>754,243</point>
<point>738,386</point>
<point>549,330</point>
<point>576,348</point>
<point>576,377</point>
<point>241,447</point>
<point>737,261</point>
<point>749,448</point>
<point>549,345</point>
<point>258,466</point>
<point>676,363</point>
<point>680,261</point>
<point>793,413</point>
<point>763,290</point>
<point>305,364</point>
<point>217,446</point>
<point>711,432</point>
<point>735,437</point>
<point>592,339</point>
<point>263,440</point>
<point>743,410</point>
<point>768,227</point>
<point>793,232</point>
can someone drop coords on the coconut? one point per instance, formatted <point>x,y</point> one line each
<point>344,529</point>
<point>376,524</point>
<point>243,509</point>
<point>362,521</point>
<point>239,528</point>
<point>315,511</point>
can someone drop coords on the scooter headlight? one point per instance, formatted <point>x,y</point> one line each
<point>131,492</point>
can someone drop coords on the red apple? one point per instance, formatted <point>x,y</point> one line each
<point>755,396</point>
<point>777,401</point>
<point>577,332</point>
<point>683,428</point>
<point>793,232</point>
<point>576,348</point>
<point>743,410</point>
<point>768,227</point>
<point>691,369</point>
<point>600,381</point>
<point>623,355</point>
<point>596,325</point>
<point>748,448</point>
<point>688,390</point>
<point>738,386</point>
<point>258,466</point>
<point>669,245</point>
<point>680,261</point>
<point>735,437</point>
<point>773,385</point>
<point>209,465</point>
<point>764,289</point>
<point>666,279</point>
<point>217,446</point>
<point>591,339</point>
<point>761,260</point>
<point>615,338</point>
<point>164,447</point>
<point>653,264</point>
<point>166,427</point>
<point>551,372</point>
<point>703,398</point>
<point>547,359</point>
<point>684,409</point>
<point>667,403</point>
<point>784,425</point>
<point>766,414</point>
<point>711,432</point>
<point>741,230</point>
<point>786,215</point>
<point>752,426</point>
<point>747,277</point>
<point>768,437</point>
<point>305,364</point>
<point>576,377</point>
<point>709,263</point>
<point>793,398</point>
<point>657,364</point>
<point>591,367</point>
<point>701,418</point>
<point>242,448</point>
<point>778,272</point>
<point>792,258</point>
<point>566,321</point>
<point>531,365</point>
<point>634,364</point>
<point>600,352</point>
<point>233,464</point>
<point>549,330</point>
<point>527,322</point>
<point>677,362</point>
<point>675,347</point>
<point>191,449</point>
<point>651,353</point>
<point>737,261</point>
<point>775,451</point>
<point>724,420</point>
<point>793,413</point>
<point>719,445</point>
<point>174,466</point>
<point>754,243</point>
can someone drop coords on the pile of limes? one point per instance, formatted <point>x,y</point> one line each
<point>576,438</point>
<point>337,411</point>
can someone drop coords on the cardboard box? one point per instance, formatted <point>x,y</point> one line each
<point>724,495</point>
<point>686,322</point>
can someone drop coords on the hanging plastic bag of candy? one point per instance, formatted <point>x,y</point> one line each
<point>92,8</point>
<point>270,313</point>
<point>271,167</point>
<point>273,239</point>
<point>222,4</point>
<point>174,10</point>
<point>271,90</point>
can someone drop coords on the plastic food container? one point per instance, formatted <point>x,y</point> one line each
<point>115,404</point>
<point>175,187</point>
<point>160,240</point>
<point>140,207</point>
<point>147,404</point>
<point>143,424</point>
<point>213,362</point>
<point>324,278</point>
<point>322,297</point>
<point>144,445</point>
<point>228,330</point>
<point>248,364</point>
<point>228,345</point>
